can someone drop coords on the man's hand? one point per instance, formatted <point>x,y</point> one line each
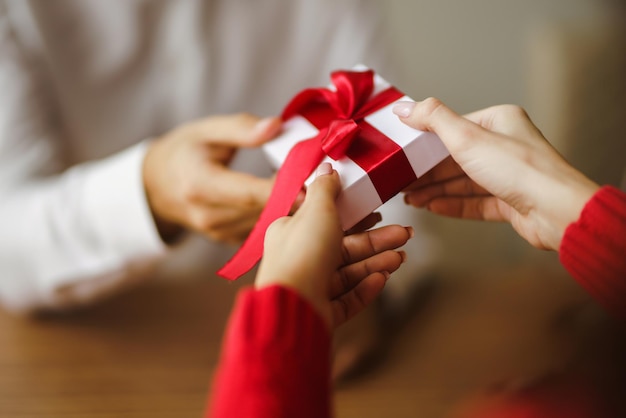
<point>189,185</point>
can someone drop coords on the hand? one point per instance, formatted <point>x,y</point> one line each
<point>501,169</point>
<point>188,183</point>
<point>338,274</point>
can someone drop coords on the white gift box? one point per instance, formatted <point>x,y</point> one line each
<point>359,196</point>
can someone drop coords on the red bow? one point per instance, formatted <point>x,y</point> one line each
<point>338,114</point>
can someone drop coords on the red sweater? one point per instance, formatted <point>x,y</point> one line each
<point>276,356</point>
<point>275,359</point>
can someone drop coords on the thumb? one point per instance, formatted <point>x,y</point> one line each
<point>455,131</point>
<point>240,130</point>
<point>322,193</point>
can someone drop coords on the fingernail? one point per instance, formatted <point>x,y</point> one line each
<point>323,169</point>
<point>386,274</point>
<point>403,109</point>
<point>403,255</point>
<point>410,230</point>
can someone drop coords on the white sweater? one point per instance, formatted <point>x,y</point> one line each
<point>83,84</point>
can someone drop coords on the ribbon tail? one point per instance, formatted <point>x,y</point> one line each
<point>303,158</point>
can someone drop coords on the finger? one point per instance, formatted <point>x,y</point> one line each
<point>349,304</point>
<point>225,225</point>
<point>221,186</point>
<point>239,130</point>
<point>445,170</point>
<point>208,218</point>
<point>231,236</point>
<point>461,186</point>
<point>368,222</point>
<point>360,246</point>
<point>478,208</point>
<point>321,194</point>
<point>349,276</point>
<point>455,131</point>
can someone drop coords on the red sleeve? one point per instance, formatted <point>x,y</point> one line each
<point>275,360</point>
<point>593,249</point>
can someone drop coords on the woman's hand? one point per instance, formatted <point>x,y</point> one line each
<point>309,253</point>
<point>501,169</point>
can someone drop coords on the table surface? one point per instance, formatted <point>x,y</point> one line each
<point>151,352</point>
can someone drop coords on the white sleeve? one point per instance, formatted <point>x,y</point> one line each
<point>69,239</point>
<point>65,239</point>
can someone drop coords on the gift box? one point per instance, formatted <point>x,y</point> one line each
<point>379,170</point>
<point>350,124</point>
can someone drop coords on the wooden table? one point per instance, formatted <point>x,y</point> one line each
<point>151,352</point>
<point>147,353</point>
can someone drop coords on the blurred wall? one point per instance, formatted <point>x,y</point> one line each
<point>473,54</point>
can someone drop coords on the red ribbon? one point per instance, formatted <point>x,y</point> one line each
<point>339,115</point>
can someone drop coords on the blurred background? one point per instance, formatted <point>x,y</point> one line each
<point>501,317</point>
<point>506,323</point>
<point>564,61</point>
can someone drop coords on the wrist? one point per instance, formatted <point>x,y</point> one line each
<point>170,232</point>
<point>568,198</point>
